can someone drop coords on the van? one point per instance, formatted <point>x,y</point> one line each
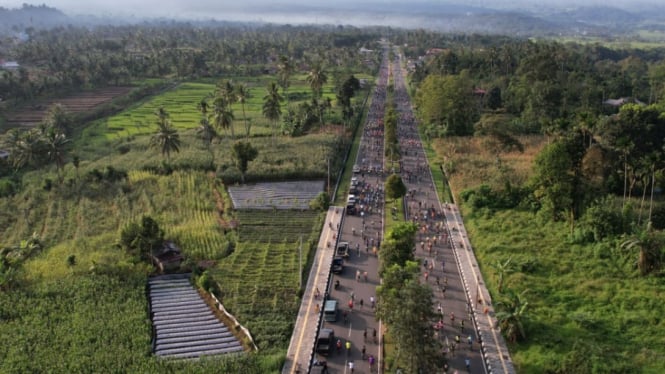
<point>330,311</point>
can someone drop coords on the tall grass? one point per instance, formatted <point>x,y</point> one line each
<point>588,309</point>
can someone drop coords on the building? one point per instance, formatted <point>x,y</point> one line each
<point>9,65</point>
<point>168,258</point>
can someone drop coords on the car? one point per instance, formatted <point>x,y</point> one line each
<point>351,209</point>
<point>356,169</point>
<point>325,341</point>
<point>342,250</point>
<point>337,264</point>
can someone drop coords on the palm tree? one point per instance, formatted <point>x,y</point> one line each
<point>285,70</point>
<point>227,90</point>
<point>28,150</point>
<point>203,107</point>
<point>207,133</point>
<point>58,118</point>
<point>512,315</point>
<point>272,107</point>
<point>242,94</point>
<point>317,78</point>
<point>166,137</point>
<point>222,115</point>
<point>56,148</point>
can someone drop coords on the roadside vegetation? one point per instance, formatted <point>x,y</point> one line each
<point>560,191</point>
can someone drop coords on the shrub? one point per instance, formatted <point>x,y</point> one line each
<point>123,149</point>
<point>7,188</point>
<point>603,220</point>
<point>321,202</point>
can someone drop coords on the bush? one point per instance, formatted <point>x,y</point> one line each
<point>7,188</point>
<point>123,149</point>
<point>230,175</point>
<point>485,197</point>
<point>603,220</point>
<point>321,202</point>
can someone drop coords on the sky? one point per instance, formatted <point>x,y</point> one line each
<point>233,9</point>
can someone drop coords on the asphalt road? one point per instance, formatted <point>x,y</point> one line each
<point>357,324</point>
<point>363,231</point>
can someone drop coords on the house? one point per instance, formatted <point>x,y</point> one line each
<point>168,258</point>
<point>623,100</point>
<point>9,65</point>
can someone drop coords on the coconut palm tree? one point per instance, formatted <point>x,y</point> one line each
<point>272,105</point>
<point>28,150</point>
<point>166,137</point>
<point>58,118</point>
<point>512,315</point>
<point>242,94</point>
<point>317,78</point>
<point>222,115</point>
<point>56,149</point>
<point>203,107</point>
<point>285,70</point>
<point>207,133</point>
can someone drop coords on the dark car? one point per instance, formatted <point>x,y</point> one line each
<point>337,264</point>
<point>325,341</point>
<point>351,209</point>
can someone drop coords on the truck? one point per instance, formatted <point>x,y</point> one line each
<point>325,341</point>
<point>342,250</point>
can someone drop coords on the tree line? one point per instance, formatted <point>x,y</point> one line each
<point>73,58</point>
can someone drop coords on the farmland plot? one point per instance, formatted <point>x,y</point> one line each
<point>76,103</point>
<point>276,195</point>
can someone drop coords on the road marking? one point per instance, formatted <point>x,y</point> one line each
<point>309,304</point>
<point>475,276</point>
<point>350,329</point>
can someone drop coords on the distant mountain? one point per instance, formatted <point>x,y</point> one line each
<point>598,16</point>
<point>31,16</point>
<point>472,17</point>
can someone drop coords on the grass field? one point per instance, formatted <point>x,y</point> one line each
<point>588,311</point>
<point>181,103</point>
